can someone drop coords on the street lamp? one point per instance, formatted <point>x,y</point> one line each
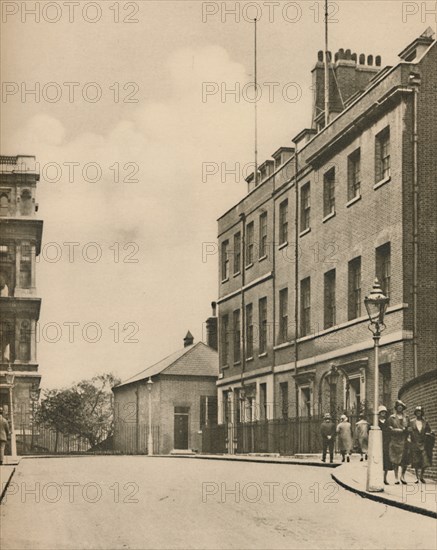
<point>376,305</point>
<point>332,378</point>
<point>10,377</point>
<point>150,437</point>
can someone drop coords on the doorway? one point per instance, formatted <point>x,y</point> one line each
<point>181,427</point>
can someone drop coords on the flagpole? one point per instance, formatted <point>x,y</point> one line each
<point>256,107</point>
<point>326,67</point>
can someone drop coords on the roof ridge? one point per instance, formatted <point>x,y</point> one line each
<point>182,355</point>
<point>157,362</point>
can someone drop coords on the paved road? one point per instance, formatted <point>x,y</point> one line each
<point>157,502</point>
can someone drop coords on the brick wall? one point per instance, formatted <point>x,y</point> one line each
<point>427,222</point>
<point>422,391</point>
<point>167,392</point>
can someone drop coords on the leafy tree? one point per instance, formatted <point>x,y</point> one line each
<point>84,410</point>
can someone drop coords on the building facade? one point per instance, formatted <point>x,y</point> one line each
<point>350,201</point>
<point>176,398</point>
<point>20,244</point>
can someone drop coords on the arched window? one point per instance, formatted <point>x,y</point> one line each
<point>26,203</point>
<point>4,204</point>
<point>25,341</point>
<point>6,339</point>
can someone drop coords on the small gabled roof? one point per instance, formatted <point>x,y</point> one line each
<point>195,360</point>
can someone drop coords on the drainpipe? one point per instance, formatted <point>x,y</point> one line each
<point>415,82</point>
<point>137,420</point>
<point>243,304</point>
<point>296,276</point>
<point>274,299</point>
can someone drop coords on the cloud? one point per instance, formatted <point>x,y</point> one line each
<point>167,213</point>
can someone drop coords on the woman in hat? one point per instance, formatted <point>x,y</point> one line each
<point>398,426</point>
<point>418,430</point>
<point>344,431</point>
<point>362,435</point>
<point>383,425</point>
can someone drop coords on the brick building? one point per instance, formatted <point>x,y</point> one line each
<point>183,395</point>
<point>350,201</point>
<point>20,244</point>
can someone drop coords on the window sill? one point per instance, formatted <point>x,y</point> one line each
<point>283,345</point>
<point>262,354</point>
<point>237,273</point>
<point>224,367</point>
<point>328,217</point>
<point>248,266</point>
<point>225,280</point>
<point>262,258</point>
<point>353,201</point>
<point>249,359</point>
<point>305,231</point>
<point>283,245</point>
<point>236,363</point>
<point>382,182</point>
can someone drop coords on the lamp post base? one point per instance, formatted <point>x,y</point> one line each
<point>150,445</point>
<point>375,472</point>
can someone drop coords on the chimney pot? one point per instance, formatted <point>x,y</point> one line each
<point>214,308</point>
<point>362,59</point>
<point>336,56</point>
<point>378,60</point>
<point>347,54</point>
<point>370,60</point>
<point>320,56</point>
<point>188,340</point>
<point>354,57</point>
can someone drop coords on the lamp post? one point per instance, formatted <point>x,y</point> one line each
<point>10,377</point>
<point>150,436</point>
<point>376,305</point>
<point>332,378</point>
<point>34,396</point>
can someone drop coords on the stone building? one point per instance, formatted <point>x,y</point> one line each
<point>20,244</point>
<point>349,201</point>
<point>183,399</point>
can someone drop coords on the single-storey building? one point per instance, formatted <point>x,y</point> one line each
<point>176,397</point>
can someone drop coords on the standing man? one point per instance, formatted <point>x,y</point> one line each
<point>4,435</point>
<point>327,430</point>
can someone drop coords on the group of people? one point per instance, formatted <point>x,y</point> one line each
<point>405,441</point>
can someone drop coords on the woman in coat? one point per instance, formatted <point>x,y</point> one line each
<point>418,430</point>
<point>398,426</point>
<point>383,425</point>
<point>344,431</point>
<point>362,435</point>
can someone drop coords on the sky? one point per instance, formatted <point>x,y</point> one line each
<point>141,119</point>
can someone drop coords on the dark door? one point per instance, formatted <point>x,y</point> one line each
<point>181,428</point>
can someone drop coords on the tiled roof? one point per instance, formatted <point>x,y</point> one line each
<point>195,360</point>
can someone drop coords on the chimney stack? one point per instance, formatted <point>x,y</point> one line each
<point>211,328</point>
<point>350,73</point>
<point>188,340</point>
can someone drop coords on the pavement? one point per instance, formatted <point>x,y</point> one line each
<point>6,473</point>
<point>140,502</point>
<point>419,498</point>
